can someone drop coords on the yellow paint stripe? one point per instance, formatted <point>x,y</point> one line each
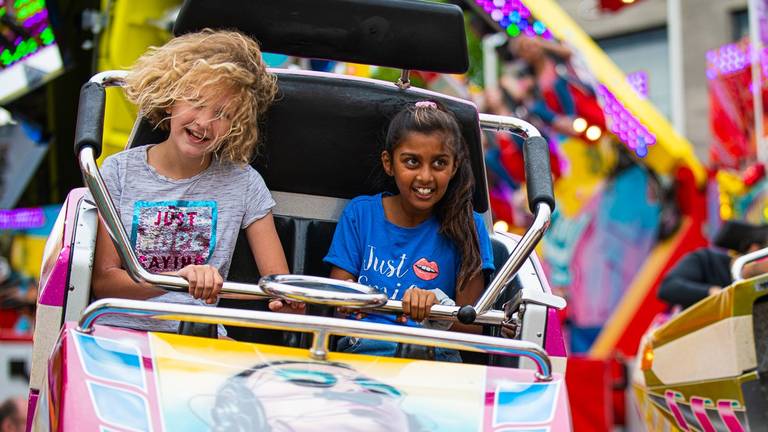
<point>638,290</point>
<point>671,150</point>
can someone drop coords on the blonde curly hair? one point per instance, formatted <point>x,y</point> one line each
<point>196,68</point>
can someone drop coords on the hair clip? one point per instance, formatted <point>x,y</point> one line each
<point>426,104</point>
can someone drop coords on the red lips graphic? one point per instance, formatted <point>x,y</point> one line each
<point>426,270</point>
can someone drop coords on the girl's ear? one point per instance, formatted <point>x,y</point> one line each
<point>386,162</point>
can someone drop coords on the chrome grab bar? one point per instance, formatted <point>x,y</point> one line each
<point>532,236</point>
<point>114,227</point>
<point>116,231</point>
<point>321,327</point>
<point>738,264</point>
<point>324,291</point>
<point>508,124</point>
<point>516,259</point>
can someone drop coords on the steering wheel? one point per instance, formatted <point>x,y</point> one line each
<point>322,291</point>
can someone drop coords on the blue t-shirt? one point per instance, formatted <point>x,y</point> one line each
<point>392,258</point>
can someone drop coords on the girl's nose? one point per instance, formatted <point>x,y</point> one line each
<point>424,174</point>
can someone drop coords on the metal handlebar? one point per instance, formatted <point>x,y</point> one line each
<point>542,198</point>
<point>329,292</point>
<point>321,327</point>
<point>738,264</point>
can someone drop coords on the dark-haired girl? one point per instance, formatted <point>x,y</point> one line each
<point>424,245</point>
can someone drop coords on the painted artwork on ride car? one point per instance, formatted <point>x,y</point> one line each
<point>248,387</point>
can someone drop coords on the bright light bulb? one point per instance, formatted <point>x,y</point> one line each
<point>579,125</point>
<point>594,133</point>
<point>501,226</point>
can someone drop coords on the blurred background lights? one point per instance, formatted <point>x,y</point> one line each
<point>594,133</point>
<point>501,226</point>
<point>579,125</point>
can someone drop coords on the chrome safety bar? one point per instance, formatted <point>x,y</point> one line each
<point>114,227</point>
<point>508,124</point>
<point>110,78</point>
<point>533,234</point>
<point>738,264</point>
<point>516,259</point>
<point>116,231</point>
<point>321,327</point>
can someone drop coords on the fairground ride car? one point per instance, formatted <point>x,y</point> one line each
<point>319,149</point>
<point>706,368</point>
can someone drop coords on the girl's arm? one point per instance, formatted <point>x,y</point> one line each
<point>266,247</point>
<point>111,280</point>
<point>337,273</point>
<point>269,256</point>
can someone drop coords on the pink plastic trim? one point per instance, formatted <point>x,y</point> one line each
<point>554,343</point>
<point>54,287</point>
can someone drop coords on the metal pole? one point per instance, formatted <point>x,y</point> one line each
<point>756,10</point>
<point>676,73</point>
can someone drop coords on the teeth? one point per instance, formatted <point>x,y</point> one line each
<point>424,191</point>
<point>425,268</point>
<point>196,135</point>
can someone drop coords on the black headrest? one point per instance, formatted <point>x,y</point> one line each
<point>405,34</point>
<point>325,133</point>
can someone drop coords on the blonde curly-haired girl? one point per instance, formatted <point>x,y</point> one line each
<point>184,200</point>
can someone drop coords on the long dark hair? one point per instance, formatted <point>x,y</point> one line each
<point>454,211</point>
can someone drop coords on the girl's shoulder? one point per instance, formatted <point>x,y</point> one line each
<point>363,205</point>
<point>236,170</point>
<point>365,202</point>
<point>127,154</point>
<point>121,159</point>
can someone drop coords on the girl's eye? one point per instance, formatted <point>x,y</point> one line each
<point>411,162</point>
<point>377,387</point>
<point>441,163</point>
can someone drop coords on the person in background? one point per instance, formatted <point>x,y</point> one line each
<point>13,415</point>
<point>707,271</point>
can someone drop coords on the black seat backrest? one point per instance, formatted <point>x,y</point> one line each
<point>242,268</point>
<point>405,34</point>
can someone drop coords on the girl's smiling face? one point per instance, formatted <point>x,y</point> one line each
<point>422,166</point>
<point>196,127</point>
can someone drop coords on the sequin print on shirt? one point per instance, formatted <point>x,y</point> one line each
<point>170,235</point>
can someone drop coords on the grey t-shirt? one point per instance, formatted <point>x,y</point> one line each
<point>172,223</point>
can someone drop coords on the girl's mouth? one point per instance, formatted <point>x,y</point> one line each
<point>195,136</point>
<point>424,192</point>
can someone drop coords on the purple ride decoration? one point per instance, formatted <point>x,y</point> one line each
<point>23,218</point>
<point>639,81</point>
<point>514,18</point>
<point>731,58</point>
<point>623,124</point>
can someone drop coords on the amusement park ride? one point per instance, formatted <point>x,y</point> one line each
<point>87,376</point>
